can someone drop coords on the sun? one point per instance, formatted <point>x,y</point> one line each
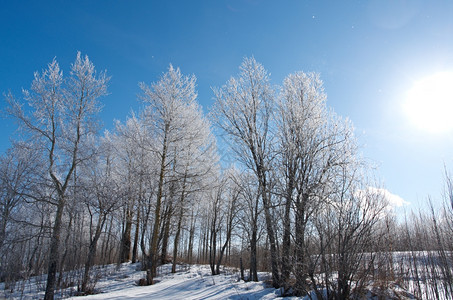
<point>429,103</point>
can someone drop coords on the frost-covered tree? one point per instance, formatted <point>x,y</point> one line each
<point>249,218</point>
<point>223,207</point>
<point>180,139</point>
<point>60,119</point>
<point>243,110</point>
<point>315,146</point>
<point>101,195</point>
<point>133,168</point>
<point>230,209</point>
<point>197,169</point>
<point>19,169</point>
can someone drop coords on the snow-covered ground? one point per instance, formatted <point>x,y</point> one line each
<point>196,282</point>
<point>189,282</point>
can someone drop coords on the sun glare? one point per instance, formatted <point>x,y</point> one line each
<point>429,103</point>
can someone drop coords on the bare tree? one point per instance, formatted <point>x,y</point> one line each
<point>243,111</point>
<point>19,167</point>
<point>215,220</point>
<point>101,196</point>
<point>301,119</point>
<point>196,167</point>
<point>356,215</point>
<point>314,146</point>
<point>20,180</point>
<point>133,167</point>
<point>174,121</point>
<point>62,119</point>
<point>250,213</point>
<point>230,210</point>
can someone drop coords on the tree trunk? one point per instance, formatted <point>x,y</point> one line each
<point>66,242</point>
<point>286,258</point>
<point>151,266</point>
<point>222,252</point>
<point>4,221</point>
<point>253,255</point>
<point>136,237</point>
<point>270,229</point>
<point>253,242</point>
<point>106,244</point>
<point>242,268</point>
<point>54,252</point>
<point>301,268</point>
<point>178,232</point>
<point>92,252</point>
<point>166,232</point>
<point>228,236</point>
<point>191,238</point>
<point>125,248</point>
<point>206,244</point>
<point>213,244</point>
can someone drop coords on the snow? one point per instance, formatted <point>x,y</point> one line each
<point>190,282</point>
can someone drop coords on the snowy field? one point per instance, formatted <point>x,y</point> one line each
<point>190,282</point>
<point>195,282</point>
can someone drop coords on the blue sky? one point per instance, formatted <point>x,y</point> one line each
<point>368,53</point>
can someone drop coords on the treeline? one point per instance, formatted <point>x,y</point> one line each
<point>295,198</point>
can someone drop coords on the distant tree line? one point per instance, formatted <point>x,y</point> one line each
<point>295,198</point>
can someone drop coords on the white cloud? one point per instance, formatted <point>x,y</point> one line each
<point>393,199</point>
